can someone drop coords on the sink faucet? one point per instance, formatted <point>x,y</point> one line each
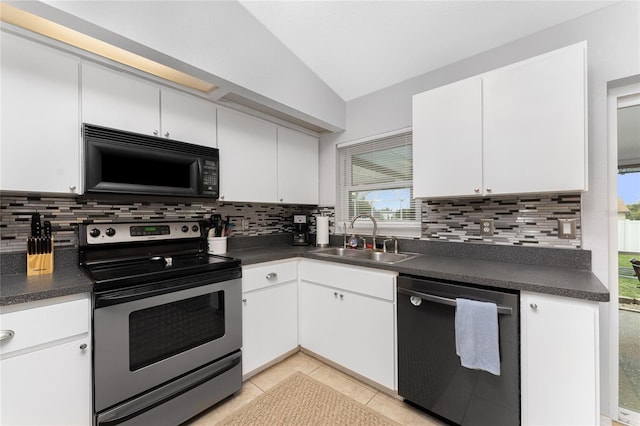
<point>375,226</point>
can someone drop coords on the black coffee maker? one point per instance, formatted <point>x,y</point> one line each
<point>300,230</point>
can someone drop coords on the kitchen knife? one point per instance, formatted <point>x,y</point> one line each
<point>47,234</point>
<point>36,227</point>
<point>47,229</point>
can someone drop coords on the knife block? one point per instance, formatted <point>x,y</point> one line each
<point>39,262</point>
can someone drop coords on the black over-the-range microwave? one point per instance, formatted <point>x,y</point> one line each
<point>117,161</point>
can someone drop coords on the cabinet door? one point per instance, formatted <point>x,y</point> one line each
<point>248,158</point>
<point>40,133</point>
<point>48,387</point>
<point>269,324</point>
<point>320,317</point>
<point>114,99</point>
<point>297,167</point>
<point>559,342</point>
<point>534,125</point>
<point>188,119</point>
<point>447,140</point>
<point>352,330</point>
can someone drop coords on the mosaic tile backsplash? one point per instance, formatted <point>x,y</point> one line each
<point>66,213</point>
<point>518,220</point>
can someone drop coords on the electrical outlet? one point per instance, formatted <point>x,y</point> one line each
<point>566,229</point>
<point>486,227</point>
<point>245,224</point>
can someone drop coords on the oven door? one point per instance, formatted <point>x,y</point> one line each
<point>151,338</point>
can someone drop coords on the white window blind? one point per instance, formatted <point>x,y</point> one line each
<point>375,177</point>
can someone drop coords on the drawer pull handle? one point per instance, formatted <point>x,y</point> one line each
<point>6,334</point>
<point>415,300</point>
<point>83,346</point>
<point>272,276</point>
<point>533,306</point>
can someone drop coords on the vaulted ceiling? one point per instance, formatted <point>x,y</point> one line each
<point>358,47</point>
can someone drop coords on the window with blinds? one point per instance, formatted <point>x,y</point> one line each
<point>375,177</point>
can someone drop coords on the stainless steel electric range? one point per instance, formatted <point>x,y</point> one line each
<point>167,327</point>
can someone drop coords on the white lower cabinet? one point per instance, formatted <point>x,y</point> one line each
<point>269,313</point>
<point>45,364</point>
<point>347,315</point>
<point>559,360</point>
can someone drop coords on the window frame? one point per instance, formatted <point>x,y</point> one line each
<point>344,186</point>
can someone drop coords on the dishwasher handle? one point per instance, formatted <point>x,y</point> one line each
<point>504,310</point>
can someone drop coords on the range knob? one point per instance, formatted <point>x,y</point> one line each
<point>194,228</point>
<point>185,228</point>
<point>95,232</point>
<point>110,232</point>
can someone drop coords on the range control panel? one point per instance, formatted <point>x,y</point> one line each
<point>106,233</point>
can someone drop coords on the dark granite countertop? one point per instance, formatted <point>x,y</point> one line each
<point>559,272</point>
<point>575,281</point>
<point>67,278</point>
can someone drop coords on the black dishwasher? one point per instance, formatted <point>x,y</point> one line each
<point>430,374</point>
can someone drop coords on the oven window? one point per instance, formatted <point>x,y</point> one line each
<point>163,331</point>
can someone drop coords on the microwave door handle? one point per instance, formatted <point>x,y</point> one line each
<point>199,173</point>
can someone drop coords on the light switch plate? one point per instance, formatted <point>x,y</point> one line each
<point>486,227</point>
<point>566,229</point>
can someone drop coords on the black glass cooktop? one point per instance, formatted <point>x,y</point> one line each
<point>134,271</point>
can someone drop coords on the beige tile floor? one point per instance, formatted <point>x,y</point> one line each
<point>262,382</point>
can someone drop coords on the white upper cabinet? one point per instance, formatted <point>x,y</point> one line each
<point>187,118</point>
<point>262,162</point>
<point>447,140</point>
<point>297,167</point>
<point>517,129</point>
<point>248,158</point>
<point>115,99</point>
<point>534,125</point>
<point>40,135</point>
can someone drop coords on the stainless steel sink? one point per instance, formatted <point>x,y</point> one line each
<point>338,251</point>
<point>379,256</point>
<point>368,255</point>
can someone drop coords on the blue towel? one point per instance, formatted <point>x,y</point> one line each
<point>477,342</point>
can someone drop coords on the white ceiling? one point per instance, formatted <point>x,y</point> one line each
<point>359,47</point>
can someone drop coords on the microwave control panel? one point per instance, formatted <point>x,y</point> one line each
<point>209,178</point>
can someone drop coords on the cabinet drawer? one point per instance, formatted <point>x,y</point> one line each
<point>365,281</point>
<point>268,274</point>
<point>44,324</point>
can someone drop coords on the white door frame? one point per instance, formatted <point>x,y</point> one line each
<point>616,96</point>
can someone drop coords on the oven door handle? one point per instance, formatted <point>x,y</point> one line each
<point>504,310</point>
<point>155,398</point>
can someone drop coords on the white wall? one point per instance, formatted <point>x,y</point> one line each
<point>220,38</point>
<point>613,36</point>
